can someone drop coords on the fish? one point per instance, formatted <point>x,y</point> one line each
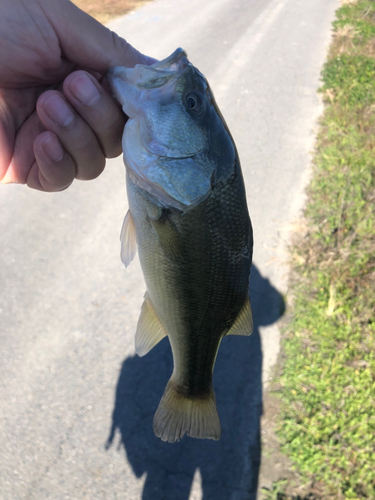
<point>189,221</point>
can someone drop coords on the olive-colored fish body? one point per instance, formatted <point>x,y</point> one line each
<point>188,217</point>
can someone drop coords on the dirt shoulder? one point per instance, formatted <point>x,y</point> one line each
<point>106,10</point>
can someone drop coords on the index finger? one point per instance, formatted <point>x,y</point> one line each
<point>88,43</point>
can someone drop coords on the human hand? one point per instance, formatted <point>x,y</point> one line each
<point>57,123</point>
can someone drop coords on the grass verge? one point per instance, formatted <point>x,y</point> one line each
<point>327,418</point>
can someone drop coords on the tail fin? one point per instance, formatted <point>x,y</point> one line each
<point>178,415</point>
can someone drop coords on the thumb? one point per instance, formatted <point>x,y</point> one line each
<point>86,42</point>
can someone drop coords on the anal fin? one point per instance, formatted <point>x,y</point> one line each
<point>128,239</point>
<point>150,330</point>
<point>243,324</point>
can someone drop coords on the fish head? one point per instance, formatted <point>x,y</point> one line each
<point>172,127</point>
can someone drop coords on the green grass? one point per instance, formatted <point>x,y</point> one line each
<point>360,16</point>
<point>351,78</point>
<point>327,421</point>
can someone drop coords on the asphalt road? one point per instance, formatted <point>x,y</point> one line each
<point>76,402</point>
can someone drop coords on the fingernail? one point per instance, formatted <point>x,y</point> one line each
<point>58,110</point>
<point>53,149</point>
<point>84,90</point>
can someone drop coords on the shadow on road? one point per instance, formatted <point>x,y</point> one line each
<point>226,466</point>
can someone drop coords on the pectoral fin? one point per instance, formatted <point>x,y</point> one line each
<point>168,236</point>
<point>243,324</point>
<point>150,330</point>
<point>128,239</point>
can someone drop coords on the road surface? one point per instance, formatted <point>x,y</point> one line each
<point>76,402</point>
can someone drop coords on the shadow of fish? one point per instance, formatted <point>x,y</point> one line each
<point>189,220</point>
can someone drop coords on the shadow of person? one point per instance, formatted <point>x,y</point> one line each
<point>228,467</point>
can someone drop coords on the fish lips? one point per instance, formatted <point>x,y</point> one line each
<point>127,83</point>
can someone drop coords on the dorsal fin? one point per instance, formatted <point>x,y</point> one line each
<point>243,324</point>
<point>128,239</point>
<point>150,330</point>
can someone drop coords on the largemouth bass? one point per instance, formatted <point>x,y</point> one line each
<point>188,218</point>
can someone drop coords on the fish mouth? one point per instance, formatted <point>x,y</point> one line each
<point>144,77</point>
<point>175,62</point>
<point>162,72</point>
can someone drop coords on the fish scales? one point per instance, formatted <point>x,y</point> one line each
<point>195,256</point>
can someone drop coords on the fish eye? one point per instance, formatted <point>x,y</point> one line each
<point>193,102</point>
